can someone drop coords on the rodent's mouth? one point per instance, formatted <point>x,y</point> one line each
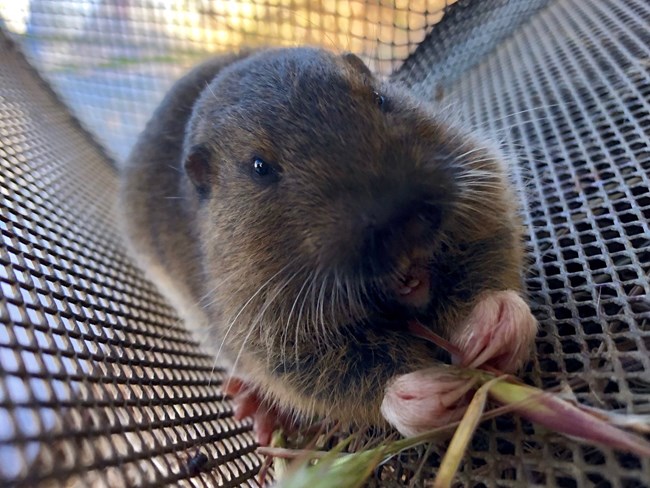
<point>412,288</point>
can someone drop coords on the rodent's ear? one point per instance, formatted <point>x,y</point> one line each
<point>198,168</point>
<point>355,61</point>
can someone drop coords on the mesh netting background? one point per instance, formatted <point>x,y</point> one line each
<point>113,60</point>
<point>100,384</point>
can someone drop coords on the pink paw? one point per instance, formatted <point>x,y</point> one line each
<point>425,399</point>
<point>499,333</point>
<point>249,403</point>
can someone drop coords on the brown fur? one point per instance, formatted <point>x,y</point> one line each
<point>273,269</point>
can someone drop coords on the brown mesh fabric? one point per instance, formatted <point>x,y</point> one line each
<point>100,385</point>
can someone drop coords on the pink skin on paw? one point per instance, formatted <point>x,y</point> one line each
<point>425,399</point>
<point>248,403</point>
<point>499,333</point>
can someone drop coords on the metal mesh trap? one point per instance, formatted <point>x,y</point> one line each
<point>100,384</point>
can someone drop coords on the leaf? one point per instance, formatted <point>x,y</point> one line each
<point>563,417</point>
<point>279,464</point>
<point>462,436</point>
<point>335,470</point>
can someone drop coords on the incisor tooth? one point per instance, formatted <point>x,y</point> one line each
<point>405,290</point>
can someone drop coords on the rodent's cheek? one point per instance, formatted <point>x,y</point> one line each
<point>310,243</point>
<point>499,332</point>
<point>328,242</point>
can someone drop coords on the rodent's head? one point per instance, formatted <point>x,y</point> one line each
<point>331,199</point>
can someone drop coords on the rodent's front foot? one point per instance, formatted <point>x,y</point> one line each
<point>249,403</point>
<point>499,332</point>
<point>424,400</point>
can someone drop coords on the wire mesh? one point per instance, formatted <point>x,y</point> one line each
<point>99,384</point>
<point>113,60</point>
<point>569,97</point>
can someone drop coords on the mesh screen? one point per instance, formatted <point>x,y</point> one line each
<point>569,96</point>
<point>113,60</point>
<point>100,385</point>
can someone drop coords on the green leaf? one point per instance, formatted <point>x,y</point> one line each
<point>335,470</point>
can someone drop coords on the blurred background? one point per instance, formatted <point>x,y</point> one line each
<point>111,61</point>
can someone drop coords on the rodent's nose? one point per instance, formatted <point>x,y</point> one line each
<point>388,218</point>
<point>391,231</point>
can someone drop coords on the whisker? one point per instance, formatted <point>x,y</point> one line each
<point>288,325</point>
<point>299,321</point>
<point>253,326</point>
<point>321,303</point>
<point>232,322</point>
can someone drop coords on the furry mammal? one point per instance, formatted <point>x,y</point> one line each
<point>305,211</point>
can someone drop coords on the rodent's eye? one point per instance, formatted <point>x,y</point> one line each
<point>379,99</point>
<point>263,172</point>
<point>261,167</point>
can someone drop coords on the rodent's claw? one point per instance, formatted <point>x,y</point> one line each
<point>499,332</point>
<point>248,403</point>
<point>265,421</point>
